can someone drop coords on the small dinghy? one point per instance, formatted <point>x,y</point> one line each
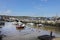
<point>40,25</point>
<point>20,26</point>
<point>15,23</point>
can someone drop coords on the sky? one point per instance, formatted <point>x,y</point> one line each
<point>30,7</point>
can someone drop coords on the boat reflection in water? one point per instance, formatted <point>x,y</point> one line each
<point>20,28</point>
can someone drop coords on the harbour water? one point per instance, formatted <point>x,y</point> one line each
<point>28,33</point>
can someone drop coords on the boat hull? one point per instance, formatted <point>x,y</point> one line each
<point>20,27</point>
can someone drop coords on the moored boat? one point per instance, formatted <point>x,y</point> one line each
<point>20,26</point>
<point>40,25</point>
<point>15,23</point>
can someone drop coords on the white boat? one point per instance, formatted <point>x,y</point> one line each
<point>23,25</point>
<point>30,24</point>
<point>15,23</point>
<point>40,25</point>
<point>20,23</point>
<point>20,26</point>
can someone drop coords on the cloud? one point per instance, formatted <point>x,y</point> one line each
<point>5,12</point>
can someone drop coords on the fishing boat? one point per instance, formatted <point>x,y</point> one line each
<point>20,26</point>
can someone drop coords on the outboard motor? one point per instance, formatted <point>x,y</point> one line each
<point>51,34</point>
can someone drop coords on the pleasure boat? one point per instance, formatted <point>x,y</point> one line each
<point>20,26</point>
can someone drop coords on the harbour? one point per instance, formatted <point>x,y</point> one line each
<point>28,33</point>
<point>29,19</point>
